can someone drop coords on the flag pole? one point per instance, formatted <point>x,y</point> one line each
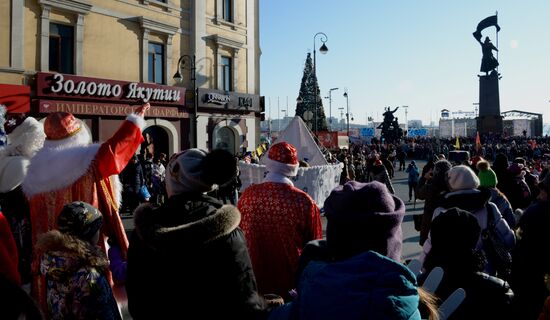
<point>496,14</point>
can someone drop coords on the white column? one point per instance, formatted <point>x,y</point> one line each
<point>79,44</point>
<point>251,45</point>
<point>145,56</point>
<point>17,34</point>
<point>45,39</point>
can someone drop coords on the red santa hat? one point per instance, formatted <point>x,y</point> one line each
<point>282,158</point>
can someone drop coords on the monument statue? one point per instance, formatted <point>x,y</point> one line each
<point>489,119</point>
<point>488,61</point>
<point>391,132</point>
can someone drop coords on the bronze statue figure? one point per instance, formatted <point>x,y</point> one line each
<point>391,132</point>
<point>488,62</point>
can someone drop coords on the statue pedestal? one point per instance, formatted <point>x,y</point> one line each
<point>489,119</point>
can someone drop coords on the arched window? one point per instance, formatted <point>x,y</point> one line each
<point>225,139</point>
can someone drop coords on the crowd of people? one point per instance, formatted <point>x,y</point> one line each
<point>203,248</point>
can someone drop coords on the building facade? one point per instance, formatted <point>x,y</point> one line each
<point>99,59</point>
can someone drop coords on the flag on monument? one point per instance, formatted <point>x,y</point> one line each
<point>485,23</point>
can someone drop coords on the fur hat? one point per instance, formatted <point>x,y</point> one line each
<point>195,170</point>
<point>486,175</point>
<point>282,158</point>
<point>362,217</point>
<point>461,178</point>
<point>79,219</point>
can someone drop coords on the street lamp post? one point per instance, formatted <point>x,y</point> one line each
<point>178,78</point>
<point>347,106</point>
<point>330,108</point>
<point>406,121</point>
<point>341,118</point>
<point>323,49</point>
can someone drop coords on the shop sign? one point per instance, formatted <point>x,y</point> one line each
<point>232,101</point>
<point>57,85</point>
<point>106,109</point>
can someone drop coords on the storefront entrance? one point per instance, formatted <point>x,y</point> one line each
<point>156,142</point>
<point>225,139</point>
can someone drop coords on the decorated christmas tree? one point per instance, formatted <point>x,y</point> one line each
<point>309,99</point>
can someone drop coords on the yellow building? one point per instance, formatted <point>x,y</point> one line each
<point>98,58</point>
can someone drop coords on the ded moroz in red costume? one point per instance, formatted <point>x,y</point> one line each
<point>278,220</point>
<point>68,168</point>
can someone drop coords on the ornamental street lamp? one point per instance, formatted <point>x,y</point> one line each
<point>323,49</point>
<point>330,107</point>
<point>347,106</point>
<point>193,77</point>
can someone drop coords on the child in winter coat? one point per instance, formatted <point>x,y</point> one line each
<point>74,266</point>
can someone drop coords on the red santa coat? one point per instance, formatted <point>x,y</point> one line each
<point>65,173</point>
<point>278,220</point>
<point>8,252</point>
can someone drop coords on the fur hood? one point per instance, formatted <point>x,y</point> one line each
<point>64,254</point>
<point>26,139</point>
<point>191,221</point>
<point>469,199</point>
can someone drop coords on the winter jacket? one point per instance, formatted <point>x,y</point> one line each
<point>76,285</point>
<point>487,297</point>
<point>413,174</point>
<point>188,259</point>
<point>476,202</point>
<point>504,206</point>
<point>365,286</point>
<point>531,259</point>
<point>432,197</point>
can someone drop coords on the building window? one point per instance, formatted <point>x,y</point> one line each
<point>61,56</point>
<point>156,63</point>
<point>227,74</point>
<point>227,10</point>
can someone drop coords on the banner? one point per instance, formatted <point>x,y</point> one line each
<point>16,98</point>
<point>366,132</point>
<point>328,139</point>
<point>485,23</point>
<point>417,132</point>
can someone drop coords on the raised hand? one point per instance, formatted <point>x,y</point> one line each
<point>141,110</point>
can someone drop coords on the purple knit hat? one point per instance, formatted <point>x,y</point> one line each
<point>362,217</point>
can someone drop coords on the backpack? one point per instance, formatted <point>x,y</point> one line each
<point>494,247</point>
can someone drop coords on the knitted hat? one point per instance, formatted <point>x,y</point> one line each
<point>282,158</point>
<point>455,224</point>
<point>362,217</point>
<point>195,170</point>
<point>516,169</point>
<point>79,219</point>
<point>486,175</point>
<point>461,178</point>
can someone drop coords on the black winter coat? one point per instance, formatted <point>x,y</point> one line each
<point>189,260</point>
<point>486,297</point>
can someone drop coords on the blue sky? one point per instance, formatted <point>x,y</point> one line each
<point>403,52</point>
